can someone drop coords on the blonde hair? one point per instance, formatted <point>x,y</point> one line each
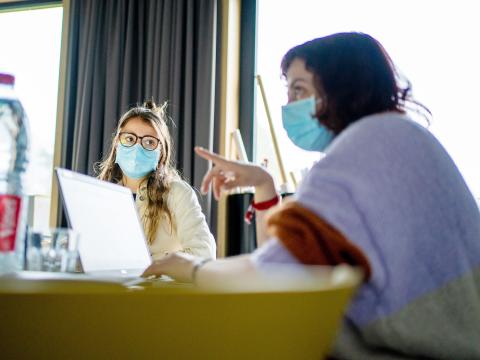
<point>159,181</point>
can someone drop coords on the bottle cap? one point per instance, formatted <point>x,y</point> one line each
<point>7,79</point>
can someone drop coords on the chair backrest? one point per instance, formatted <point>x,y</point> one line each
<point>170,322</point>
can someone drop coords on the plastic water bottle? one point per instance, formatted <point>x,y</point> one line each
<point>13,163</point>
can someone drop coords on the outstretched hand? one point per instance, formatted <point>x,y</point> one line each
<point>226,174</point>
<point>177,265</point>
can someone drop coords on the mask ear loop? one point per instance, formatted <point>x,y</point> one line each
<point>322,111</point>
<point>323,106</point>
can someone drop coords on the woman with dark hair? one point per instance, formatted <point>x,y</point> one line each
<point>386,197</point>
<point>140,158</point>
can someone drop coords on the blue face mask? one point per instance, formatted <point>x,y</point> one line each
<point>303,128</point>
<point>135,161</point>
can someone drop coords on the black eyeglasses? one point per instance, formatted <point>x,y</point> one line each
<point>149,143</point>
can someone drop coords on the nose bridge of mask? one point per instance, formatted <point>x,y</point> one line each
<point>129,151</point>
<point>134,152</point>
<point>297,109</point>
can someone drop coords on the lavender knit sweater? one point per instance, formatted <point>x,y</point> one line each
<point>389,186</point>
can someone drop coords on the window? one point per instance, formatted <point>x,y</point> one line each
<point>433,43</point>
<point>31,51</point>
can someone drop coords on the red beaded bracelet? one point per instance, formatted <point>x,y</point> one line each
<point>264,205</point>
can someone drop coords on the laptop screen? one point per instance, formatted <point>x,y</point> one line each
<point>104,214</point>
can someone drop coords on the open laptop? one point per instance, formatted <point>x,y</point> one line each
<point>112,242</point>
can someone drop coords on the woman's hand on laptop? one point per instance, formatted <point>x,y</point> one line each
<point>177,265</point>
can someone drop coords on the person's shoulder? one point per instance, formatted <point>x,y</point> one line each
<point>180,184</point>
<point>180,188</point>
<point>182,196</point>
<point>378,130</point>
<point>384,123</point>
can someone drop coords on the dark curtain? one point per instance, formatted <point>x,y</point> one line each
<point>121,52</point>
<point>248,51</point>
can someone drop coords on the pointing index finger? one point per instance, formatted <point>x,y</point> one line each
<point>208,155</point>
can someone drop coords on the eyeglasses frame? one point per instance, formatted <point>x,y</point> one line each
<point>136,140</point>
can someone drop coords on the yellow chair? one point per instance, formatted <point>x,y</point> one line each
<point>68,319</point>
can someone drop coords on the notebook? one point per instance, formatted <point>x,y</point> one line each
<point>112,242</point>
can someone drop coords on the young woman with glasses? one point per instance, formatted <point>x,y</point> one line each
<point>140,158</point>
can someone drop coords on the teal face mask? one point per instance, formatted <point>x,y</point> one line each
<point>135,161</point>
<point>303,128</point>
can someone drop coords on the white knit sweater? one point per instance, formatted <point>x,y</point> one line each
<point>192,234</point>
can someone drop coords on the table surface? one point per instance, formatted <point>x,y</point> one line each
<point>38,281</point>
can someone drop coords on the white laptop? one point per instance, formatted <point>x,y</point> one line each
<point>112,242</point>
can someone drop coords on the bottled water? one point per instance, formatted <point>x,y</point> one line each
<point>13,163</point>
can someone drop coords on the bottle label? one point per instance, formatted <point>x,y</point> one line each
<point>9,217</point>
